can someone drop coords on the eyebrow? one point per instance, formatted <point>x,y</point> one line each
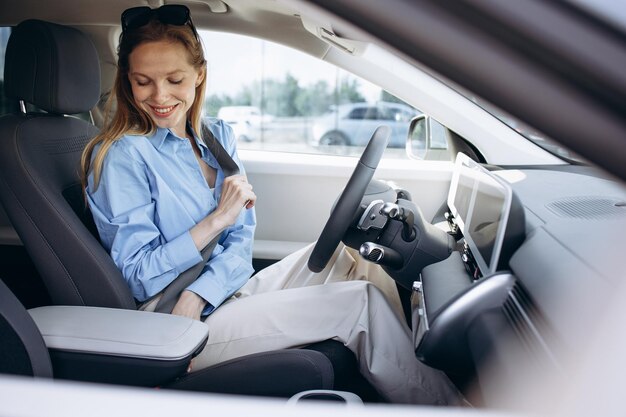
<point>168,74</point>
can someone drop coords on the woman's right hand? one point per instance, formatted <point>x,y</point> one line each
<point>236,195</point>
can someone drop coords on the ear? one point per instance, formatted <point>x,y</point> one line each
<point>201,75</point>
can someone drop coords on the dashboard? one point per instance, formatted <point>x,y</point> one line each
<point>561,256</point>
<point>574,251</point>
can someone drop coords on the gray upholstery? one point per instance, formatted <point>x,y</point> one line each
<point>41,193</point>
<point>39,164</point>
<point>279,374</point>
<point>22,349</point>
<point>51,67</point>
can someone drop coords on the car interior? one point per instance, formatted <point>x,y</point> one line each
<point>50,212</point>
<point>503,255</point>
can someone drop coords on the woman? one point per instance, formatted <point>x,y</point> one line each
<point>158,197</point>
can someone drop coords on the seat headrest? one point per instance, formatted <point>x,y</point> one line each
<point>53,67</point>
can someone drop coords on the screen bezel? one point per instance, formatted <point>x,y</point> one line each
<point>463,165</point>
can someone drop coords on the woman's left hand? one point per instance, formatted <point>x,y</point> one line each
<point>189,305</point>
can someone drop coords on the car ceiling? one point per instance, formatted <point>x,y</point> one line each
<point>108,12</point>
<point>267,19</point>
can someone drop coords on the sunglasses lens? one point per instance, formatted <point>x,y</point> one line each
<point>135,17</point>
<point>170,14</point>
<point>173,14</point>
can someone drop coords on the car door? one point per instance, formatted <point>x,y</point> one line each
<point>297,183</point>
<point>296,193</point>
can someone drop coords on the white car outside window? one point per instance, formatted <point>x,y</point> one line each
<point>246,121</point>
<point>352,124</point>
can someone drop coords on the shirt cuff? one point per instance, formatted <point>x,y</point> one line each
<point>207,310</point>
<point>182,252</point>
<point>213,292</point>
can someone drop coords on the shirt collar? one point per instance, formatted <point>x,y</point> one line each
<point>158,139</point>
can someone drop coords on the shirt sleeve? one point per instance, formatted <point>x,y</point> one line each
<point>124,213</point>
<point>230,264</point>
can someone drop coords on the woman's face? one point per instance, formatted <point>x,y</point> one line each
<point>164,83</point>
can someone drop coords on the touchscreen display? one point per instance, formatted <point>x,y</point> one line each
<point>480,203</point>
<point>486,216</point>
<point>463,196</point>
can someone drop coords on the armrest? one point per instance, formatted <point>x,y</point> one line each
<point>118,346</point>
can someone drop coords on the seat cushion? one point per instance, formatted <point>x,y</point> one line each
<point>281,373</point>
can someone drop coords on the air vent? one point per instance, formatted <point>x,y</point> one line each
<point>526,322</point>
<point>515,310</point>
<point>588,207</point>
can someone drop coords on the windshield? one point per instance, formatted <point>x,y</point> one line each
<point>529,133</point>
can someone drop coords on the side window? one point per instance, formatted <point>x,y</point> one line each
<point>406,116</point>
<point>372,113</point>
<point>277,98</point>
<point>388,114</point>
<point>438,135</point>
<point>396,115</point>
<point>358,113</point>
<point>6,105</point>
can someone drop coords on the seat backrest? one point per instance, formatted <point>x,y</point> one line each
<point>22,348</point>
<point>56,69</point>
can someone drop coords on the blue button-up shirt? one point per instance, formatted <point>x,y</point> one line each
<point>151,193</point>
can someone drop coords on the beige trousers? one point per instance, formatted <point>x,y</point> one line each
<point>352,301</point>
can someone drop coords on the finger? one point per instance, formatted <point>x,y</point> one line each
<point>240,184</point>
<point>236,178</point>
<point>250,201</point>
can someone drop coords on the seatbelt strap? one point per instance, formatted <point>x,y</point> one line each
<point>172,292</point>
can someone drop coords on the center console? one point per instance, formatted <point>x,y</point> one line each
<point>488,222</point>
<point>118,346</point>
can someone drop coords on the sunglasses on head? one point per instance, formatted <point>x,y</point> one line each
<point>169,14</point>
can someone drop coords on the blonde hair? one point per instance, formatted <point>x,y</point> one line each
<point>128,117</point>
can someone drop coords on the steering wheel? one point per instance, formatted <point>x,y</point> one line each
<point>343,213</point>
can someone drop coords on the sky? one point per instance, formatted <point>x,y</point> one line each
<point>235,60</point>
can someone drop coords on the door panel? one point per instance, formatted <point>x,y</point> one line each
<point>296,192</point>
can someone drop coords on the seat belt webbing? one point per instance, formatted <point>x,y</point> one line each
<point>175,288</point>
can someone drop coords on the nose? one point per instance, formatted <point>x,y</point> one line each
<point>160,94</point>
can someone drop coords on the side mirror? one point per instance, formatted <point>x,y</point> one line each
<point>427,139</point>
<point>417,140</point>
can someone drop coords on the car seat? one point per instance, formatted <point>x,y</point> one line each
<point>56,69</point>
<point>24,352</point>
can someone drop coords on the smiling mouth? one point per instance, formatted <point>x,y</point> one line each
<point>163,111</point>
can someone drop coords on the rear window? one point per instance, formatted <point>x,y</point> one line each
<point>6,105</point>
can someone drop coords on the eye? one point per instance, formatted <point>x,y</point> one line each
<point>141,82</point>
<point>178,81</point>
